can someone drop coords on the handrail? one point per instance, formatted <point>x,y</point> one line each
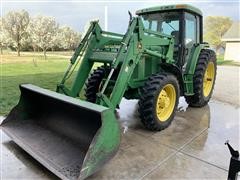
<point>112,34</point>
<point>157,33</point>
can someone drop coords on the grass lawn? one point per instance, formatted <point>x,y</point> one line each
<point>33,68</point>
<point>28,68</point>
<point>221,61</point>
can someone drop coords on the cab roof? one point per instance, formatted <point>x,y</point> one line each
<point>169,8</point>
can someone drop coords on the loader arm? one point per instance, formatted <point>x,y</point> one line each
<point>136,43</point>
<point>139,43</point>
<point>94,38</point>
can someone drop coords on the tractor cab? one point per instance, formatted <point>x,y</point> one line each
<point>183,22</point>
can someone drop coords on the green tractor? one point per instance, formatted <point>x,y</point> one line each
<point>161,56</point>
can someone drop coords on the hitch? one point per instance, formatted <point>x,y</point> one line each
<point>234,166</point>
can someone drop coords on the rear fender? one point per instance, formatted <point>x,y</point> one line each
<point>191,66</point>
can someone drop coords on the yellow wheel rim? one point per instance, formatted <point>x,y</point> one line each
<point>166,102</point>
<point>208,79</point>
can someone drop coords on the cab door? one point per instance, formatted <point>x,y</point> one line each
<point>192,34</point>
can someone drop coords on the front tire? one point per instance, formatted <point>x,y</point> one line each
<point>158,101</point>
<point>94,83</point>
<point>203,79</point>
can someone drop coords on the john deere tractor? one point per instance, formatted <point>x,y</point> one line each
<point>161,56</point>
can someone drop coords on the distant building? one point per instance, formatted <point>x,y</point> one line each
<point>232,39</point>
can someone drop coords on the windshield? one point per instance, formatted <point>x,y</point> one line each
<point>165,22</point>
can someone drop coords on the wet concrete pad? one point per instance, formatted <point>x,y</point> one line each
<point>143,151</point>
<point>181,166</point>
<point>185,127</point>
<point>224,125</point>
<point>134,161</point>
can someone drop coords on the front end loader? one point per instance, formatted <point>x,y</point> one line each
<point>159,58</point>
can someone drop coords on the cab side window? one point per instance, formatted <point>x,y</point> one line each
<point>154,25</point>
<point>191,29</point>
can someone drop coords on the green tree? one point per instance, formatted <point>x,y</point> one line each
<point>43,30</point>
<point>3,37</point>
<point>15,24</point>
<point>214,28</point>
<point>69,38</point>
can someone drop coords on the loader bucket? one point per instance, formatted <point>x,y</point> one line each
<point>70,137</point>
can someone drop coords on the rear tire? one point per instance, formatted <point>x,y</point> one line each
<point>158,101</point>
<point>203,79</point>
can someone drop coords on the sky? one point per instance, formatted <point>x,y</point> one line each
<point>112,15</point>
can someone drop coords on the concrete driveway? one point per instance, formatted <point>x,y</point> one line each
<point>192,147</point>
<point>227,88</point>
